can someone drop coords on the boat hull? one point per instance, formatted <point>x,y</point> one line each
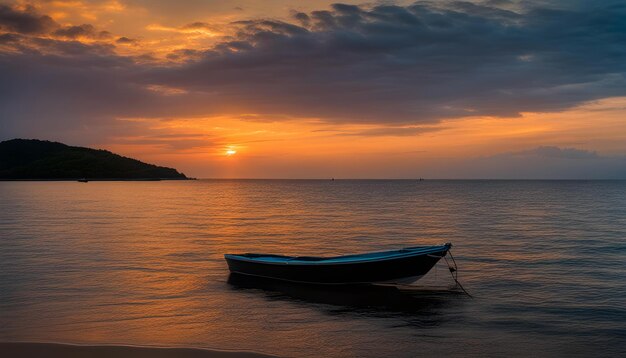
<point>400,269</point>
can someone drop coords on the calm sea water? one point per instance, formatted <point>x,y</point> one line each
<point>141,263</point>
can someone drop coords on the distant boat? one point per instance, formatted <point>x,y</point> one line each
<point>83,180</point>
<point>399,266</point>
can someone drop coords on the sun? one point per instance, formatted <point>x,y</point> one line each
<point>230,150</point>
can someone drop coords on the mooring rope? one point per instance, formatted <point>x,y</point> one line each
<point>454,272</point>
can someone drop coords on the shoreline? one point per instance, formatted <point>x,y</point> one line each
<point>67,350</point>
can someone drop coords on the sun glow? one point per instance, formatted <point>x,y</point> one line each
<point>224,146</point>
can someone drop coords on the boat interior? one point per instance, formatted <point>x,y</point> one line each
<point>372,256</point>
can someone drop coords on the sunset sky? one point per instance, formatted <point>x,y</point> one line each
<point>318,89</point>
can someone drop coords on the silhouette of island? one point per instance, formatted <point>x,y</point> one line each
<point>32,159</point>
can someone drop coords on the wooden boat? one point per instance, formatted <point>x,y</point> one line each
<point>398,266</point>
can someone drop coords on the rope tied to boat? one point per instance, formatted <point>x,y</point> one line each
<point>454,271</point>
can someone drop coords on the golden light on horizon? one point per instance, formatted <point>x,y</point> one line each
<point>205,147</point>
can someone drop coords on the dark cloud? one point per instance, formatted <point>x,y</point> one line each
<point>25,21</point>
<point>104,35</point>
<point>9,39</point>
<point>417,63</point>
<point>303,18</point>
<point>125,41</point>
<point>28,22</point>
<point>397,66</point>
<point>72,51</point>
<point>73,32</point>
<point>185,54</point>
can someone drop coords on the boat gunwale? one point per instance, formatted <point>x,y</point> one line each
<point>293,260</point>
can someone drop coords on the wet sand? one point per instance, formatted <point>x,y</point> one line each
<point>54,350</point>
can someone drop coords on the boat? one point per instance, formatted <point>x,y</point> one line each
<point>395,267</point>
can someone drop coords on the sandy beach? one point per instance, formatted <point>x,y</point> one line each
<point>53,350</point>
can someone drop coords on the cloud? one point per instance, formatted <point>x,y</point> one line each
<point>197,25</point>
<point>25,21</point>
<point>25,30</point>
<point>393,66</point>
<point>176,142</point>
<point>392,131</point>
<point>198,28</point>
<point>544,162</point>
<point>184,55</point>
<point>73,32</point>
<point>126,41</point>
<point>415,64</point>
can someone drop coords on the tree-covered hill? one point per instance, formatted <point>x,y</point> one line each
<point>38,159</point>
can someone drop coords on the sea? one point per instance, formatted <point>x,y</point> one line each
<point>141,263</point>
